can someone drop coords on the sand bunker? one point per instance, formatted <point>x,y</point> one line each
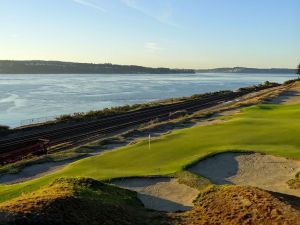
<point>162,194</point>
<point>41,169</point>
<point>34,171</point>
<point>263,171</point>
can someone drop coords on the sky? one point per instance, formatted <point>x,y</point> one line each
<point>157,33</point>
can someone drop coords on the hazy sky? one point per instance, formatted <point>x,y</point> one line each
<point>170,33</point>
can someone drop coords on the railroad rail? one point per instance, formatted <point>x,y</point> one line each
<point>12,149</point>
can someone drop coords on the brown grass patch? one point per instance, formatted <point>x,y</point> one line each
<point>73,201</point>
<point>238,205</point>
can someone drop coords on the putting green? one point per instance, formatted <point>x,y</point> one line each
<point>271,129</point>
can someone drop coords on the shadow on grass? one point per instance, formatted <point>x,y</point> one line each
<point>285,96</point>
<point>292,200</point>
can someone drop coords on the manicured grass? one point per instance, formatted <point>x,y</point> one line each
<point>271,129</point>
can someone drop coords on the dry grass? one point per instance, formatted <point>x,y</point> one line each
<point>74,201</point>
<point>238,205</point>
<point>295,183</point>
<point>192,180</point>
<point>86,201</point>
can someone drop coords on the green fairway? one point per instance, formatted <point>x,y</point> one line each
<point>271,129</point>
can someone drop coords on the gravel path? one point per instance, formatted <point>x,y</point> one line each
<point>263,171</point>
<point>162,194</point>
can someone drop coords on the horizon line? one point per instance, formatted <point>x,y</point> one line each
<point>98,63</point>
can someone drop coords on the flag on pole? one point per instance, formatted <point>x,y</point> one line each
<point>149,138</point>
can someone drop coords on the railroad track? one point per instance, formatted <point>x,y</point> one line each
<point>78,134</point>
<point>101,133</point>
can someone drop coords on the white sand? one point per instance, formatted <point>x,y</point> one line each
<point>263,171</point>
<point>34,171</point>
<point>162,194</point>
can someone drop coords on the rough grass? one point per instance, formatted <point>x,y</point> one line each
<point>80,116</point>
<point>74,201</point>
<point>294,183</point>
<point>238,205</point>
<point>192,180</point>
<point>270,129</point>
<point>81,201</point>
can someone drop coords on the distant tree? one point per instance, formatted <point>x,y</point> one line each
<point>267,83</point>
<point>298,70</point>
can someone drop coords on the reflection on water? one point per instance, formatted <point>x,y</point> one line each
<point>24,97</point>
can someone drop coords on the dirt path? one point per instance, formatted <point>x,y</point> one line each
<point>263,171</point>
<point>291,96</point>
<point>162,194</point>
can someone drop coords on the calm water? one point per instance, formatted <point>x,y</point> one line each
<point>42,97</point>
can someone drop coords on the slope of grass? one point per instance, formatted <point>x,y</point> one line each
<point>238,205</point>
<point>271,129</point>
<point>192,180</point>
<point>74,201</point>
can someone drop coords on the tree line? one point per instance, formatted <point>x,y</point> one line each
<point>57,67</point>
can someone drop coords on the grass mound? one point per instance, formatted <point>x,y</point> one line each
<point>295,183</point>
<point>239,205</point>
<point>74,201</point>
<point>192,180</point>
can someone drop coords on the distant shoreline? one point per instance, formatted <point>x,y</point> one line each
<point>58,67</point>
<point>249,70</point>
